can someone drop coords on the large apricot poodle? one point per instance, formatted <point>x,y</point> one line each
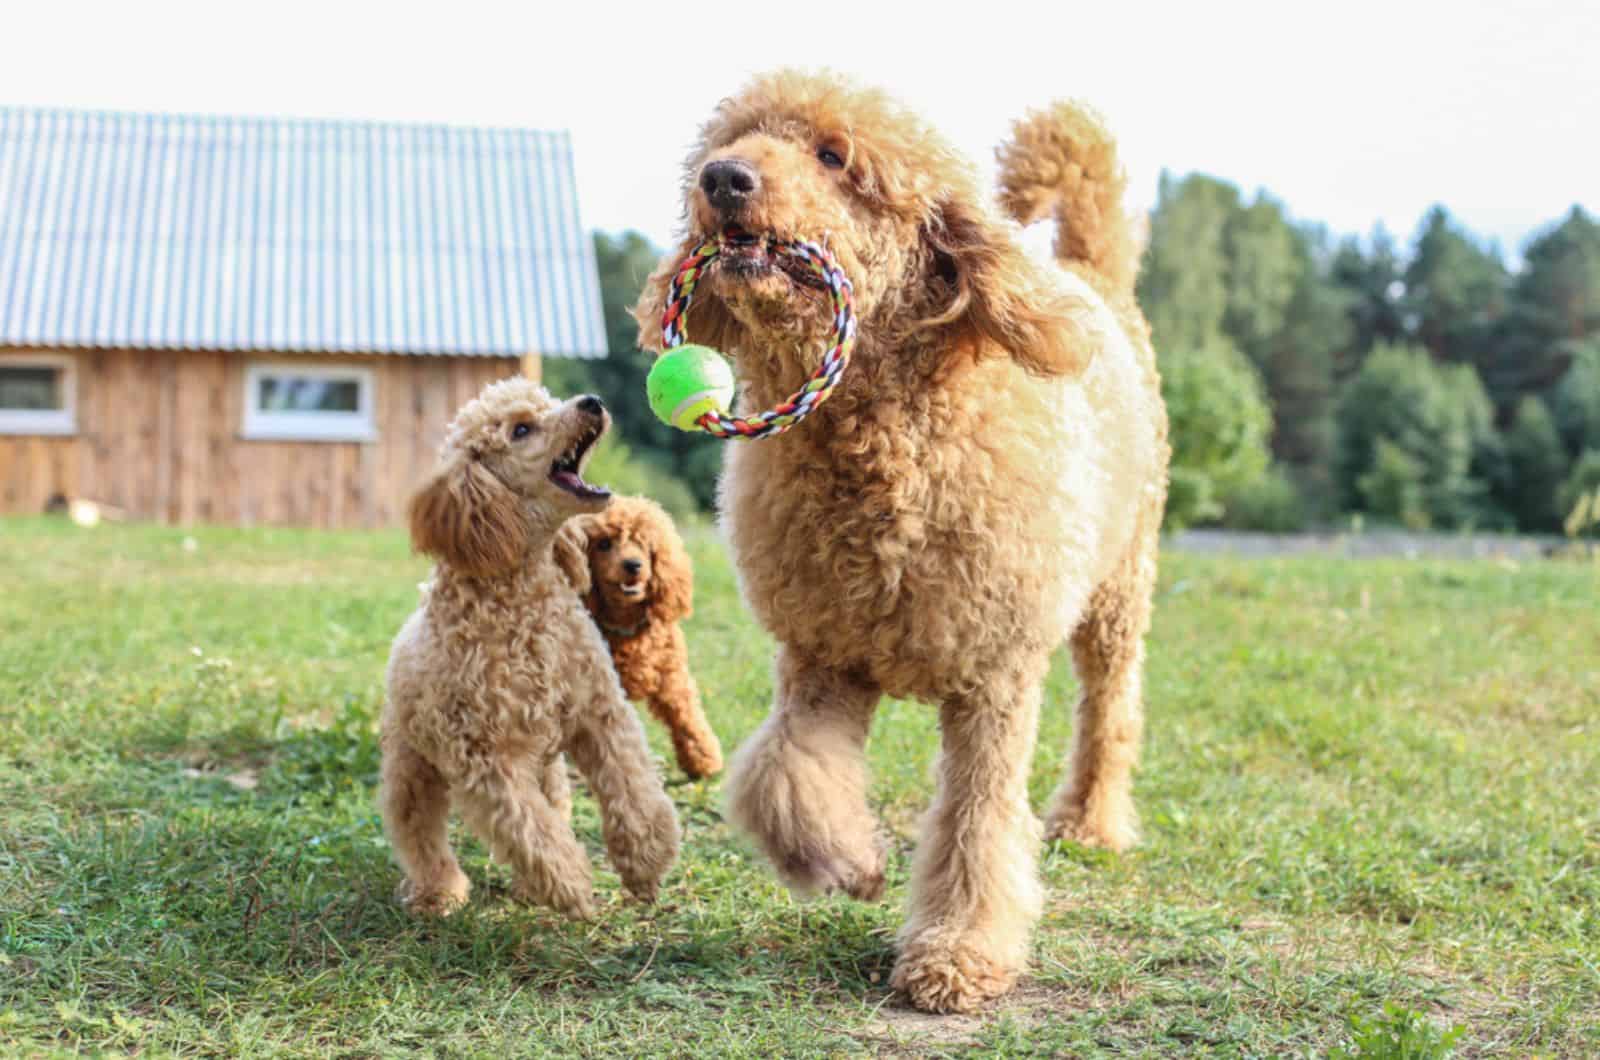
<point>637,583</point>
<point>499,672</point>
<point>986,483</point>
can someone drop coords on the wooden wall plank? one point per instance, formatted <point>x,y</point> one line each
<point>141,415</point>
<point>11,499</point>
<point>188,459</point>
<point>167,435</point>
<point>433,388</point>
<point>216,499</point>
<point>91,426</point>
<point>240,494</point>
<point>391,389</point>
<point>111,398</point>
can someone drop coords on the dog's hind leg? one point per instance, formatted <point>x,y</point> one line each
<point>798,786</point>
<point>1094,804</point>
<point>415,802</point>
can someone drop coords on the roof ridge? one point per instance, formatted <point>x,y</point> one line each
<point>274,119</point>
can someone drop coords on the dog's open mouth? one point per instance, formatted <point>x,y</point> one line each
<point>744,252</point>
<point>567,471</point>
<point>747,254</point>
<point>632,591</point>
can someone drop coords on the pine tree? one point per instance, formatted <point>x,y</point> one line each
<point>1555,303</point>
<point>1371,279</point>
<point>1183,280</point>
<point>1301,371</point>
<point>1536,464</point>
<point>1456,291</point>
<point>1266,260</point>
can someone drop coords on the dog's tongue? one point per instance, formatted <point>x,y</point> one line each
<point>573,483</point>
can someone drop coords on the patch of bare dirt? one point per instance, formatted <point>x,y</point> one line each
<point>897,1029</point>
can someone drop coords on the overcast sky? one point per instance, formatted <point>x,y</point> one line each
<point>1351,113</point>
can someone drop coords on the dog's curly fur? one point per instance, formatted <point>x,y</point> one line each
<point>637,582</point>
<point>986,483</point>
<point>499,672</point>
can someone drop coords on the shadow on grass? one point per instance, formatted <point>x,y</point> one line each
<point>181,888</point>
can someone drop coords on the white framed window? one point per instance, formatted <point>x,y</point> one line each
<point>38,394</point>
<point>308,402</point>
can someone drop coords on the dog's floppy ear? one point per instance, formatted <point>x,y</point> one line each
<point>991,292</point>
<point>671,577</point>
<point>572,553</point>
<point>466,517</point>
<point>707,323</point>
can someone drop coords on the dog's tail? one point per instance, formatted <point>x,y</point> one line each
<point>1062,160</point>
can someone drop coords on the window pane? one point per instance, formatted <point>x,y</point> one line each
<point>31,387</point>
<point>287,393</point>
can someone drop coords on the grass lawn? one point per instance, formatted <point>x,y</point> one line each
<point>1370,793</point>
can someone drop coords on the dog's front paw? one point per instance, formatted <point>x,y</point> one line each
<point>643,890</point>
<point>643,858</point>
<point>939,974</point>
<point>696,747</point>
<point>698,757</point>
<point>805,807</point>
<point>1109,826</point>
<point>835,873</point>
<point>440,898</point>
<point>574,901</point>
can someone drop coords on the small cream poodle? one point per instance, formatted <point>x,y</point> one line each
<point>500,672</point>
<point>638,585</point>
<point>985,485</point>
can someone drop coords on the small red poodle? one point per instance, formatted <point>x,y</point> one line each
<point>630,566</point>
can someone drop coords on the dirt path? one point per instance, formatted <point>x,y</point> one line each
<point>1366,544</point>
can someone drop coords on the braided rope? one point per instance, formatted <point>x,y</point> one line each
<point>816,389</point>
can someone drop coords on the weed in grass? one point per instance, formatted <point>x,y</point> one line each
<point>1398,1033</point>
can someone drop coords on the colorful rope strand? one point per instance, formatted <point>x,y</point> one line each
<point>802,402</point>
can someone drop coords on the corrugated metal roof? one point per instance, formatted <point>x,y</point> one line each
<point>267,234</point>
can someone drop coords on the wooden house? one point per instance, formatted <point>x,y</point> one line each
<point>251,321</point>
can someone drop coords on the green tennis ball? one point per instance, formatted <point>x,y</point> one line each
<point>687,382</point>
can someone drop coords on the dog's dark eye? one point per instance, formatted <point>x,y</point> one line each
<point>830,158</point>
<point>521,430</point>
<point>603,545</point>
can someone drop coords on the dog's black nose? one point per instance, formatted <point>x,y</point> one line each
<point>591,404</point>
<point>729,183</point>
<point>631,566</point>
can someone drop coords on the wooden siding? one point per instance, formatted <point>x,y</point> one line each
<point>158,437</point>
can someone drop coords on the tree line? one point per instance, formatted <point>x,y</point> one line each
<point>1429,386</point>
<point>1307,377</point>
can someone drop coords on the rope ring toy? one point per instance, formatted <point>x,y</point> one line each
<point>684,394</point>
